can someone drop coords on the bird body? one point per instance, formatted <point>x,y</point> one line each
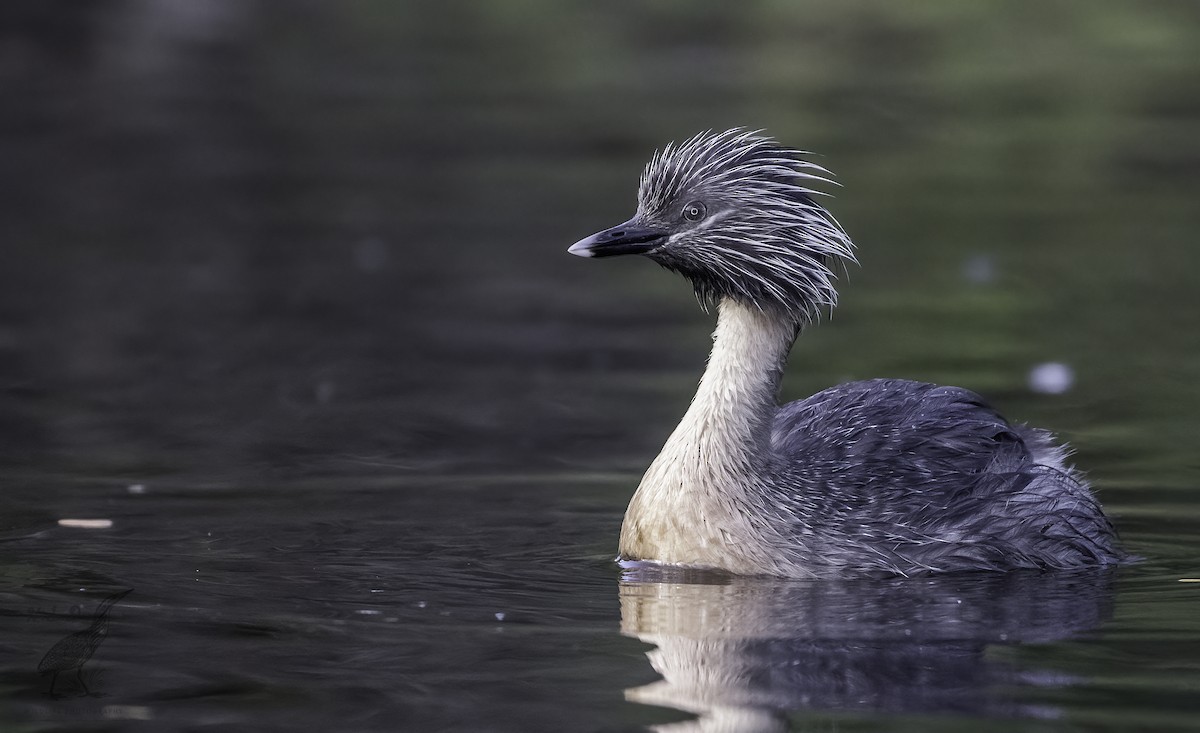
<point>879,476</point>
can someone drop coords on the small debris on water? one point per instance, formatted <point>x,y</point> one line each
<point>1051,377</point>
<point>86,523</point>
<point>979,269</point>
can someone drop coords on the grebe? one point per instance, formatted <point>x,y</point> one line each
<point>880,476</point>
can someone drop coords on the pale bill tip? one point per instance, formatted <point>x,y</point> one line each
<point>581,248</point>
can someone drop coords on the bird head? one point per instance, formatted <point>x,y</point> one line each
<point>731,211</point>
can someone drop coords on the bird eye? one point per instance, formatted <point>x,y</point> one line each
<point>694,211</point>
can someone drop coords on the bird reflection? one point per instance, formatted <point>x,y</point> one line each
<point>741,653</point>
<point>74,650</point>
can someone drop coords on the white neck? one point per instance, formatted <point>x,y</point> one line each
<point>690,505</point>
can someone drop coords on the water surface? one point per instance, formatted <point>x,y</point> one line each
<point>285,300</point>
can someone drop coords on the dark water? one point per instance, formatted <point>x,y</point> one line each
<point>283,296</point>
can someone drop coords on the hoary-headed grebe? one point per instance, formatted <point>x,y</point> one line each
<point>884,475</point>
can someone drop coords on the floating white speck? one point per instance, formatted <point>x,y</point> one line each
<point>421,604</point>
<point>368,612</point>
<point>86,523</point>
<point>1052,377</point>
<point>136,488</point>
<point>499,615</point>
<point>979,269</point>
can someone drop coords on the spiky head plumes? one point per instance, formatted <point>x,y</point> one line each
<point>742,223</point>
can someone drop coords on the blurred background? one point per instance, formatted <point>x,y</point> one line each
<point>284,298</point>
<point>250,240</point>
